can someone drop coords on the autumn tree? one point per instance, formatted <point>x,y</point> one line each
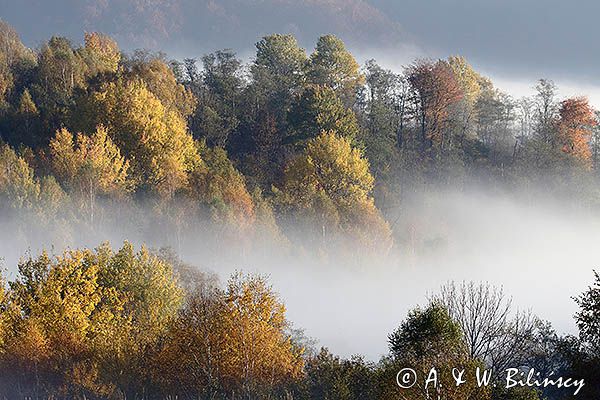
<point>231,342</point>
<point>160,80</point>
<point>141,297</point>
<point>80,324</point>
<point>31,200</point>
<point>104,53</point>
<point>575,129</point>
<point>48,345</point>
<point>27,110</point>
<point>154,138</point>
<point>18,186</point>
<point>436,90</point>
<point>222,188</point>
<point>470,83</point>
<point>89,166</point>
<point>329,187</point>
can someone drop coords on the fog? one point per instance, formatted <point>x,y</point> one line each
<point>540,251</point>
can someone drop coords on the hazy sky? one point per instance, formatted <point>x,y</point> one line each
<point>513,41</point>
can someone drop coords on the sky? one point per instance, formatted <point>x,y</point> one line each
<point>515,42</point>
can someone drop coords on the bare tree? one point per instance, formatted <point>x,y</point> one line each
<point>493,332</point>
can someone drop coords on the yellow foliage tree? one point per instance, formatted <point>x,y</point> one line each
<point>329,186</point>
<point>161,81</point>
<point>223,188</point>
<point>89,166</point>
<point>230,342</point>
<point>81,323</point>
<point>470,83</point>
<point>104,52</point>
<point>18,186</point>
<point>155,139</point>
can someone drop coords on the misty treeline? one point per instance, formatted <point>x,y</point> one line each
<point>302,150</point>
<point>140,324</point>
<point>305,152</point>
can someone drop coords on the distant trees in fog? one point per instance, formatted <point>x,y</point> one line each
<point>87,125</point>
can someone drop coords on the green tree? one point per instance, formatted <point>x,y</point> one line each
<point>429,338</point>
<point>333,66</point>
<point>219,98</point>
<point>278,72</point>
<point>319,109</point>
<point>61,70</point>
<point>329,377</point>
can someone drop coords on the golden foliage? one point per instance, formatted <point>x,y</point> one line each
<point>156,140</point>
<point>330,185</point>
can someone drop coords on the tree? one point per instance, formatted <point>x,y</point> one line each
<point>160,80</point>
<point>278,77</point>
<point>81,324</point>
<point>470,84</point>
<point>89,166</point>
<point>61,70</point>
<point>545,109</point>
<point>142,298</point>
<point>333,66</point>
<point>581,353</point>
<point>18,186</point>
<point>55,301</point>
<point>329,377</point>
<point>223,189</point>
<point>318,110</point>
<point>27,110</point>
<point>231,343</point>
<point>278,70</point>
<point>155,139</point>
<point>14,56</point>
<point>104,53</point>
<point>435,91</point>
<point>492,332</point>
<point>429,338</point>
<point>588,316</point>
<point>217,113</point>
<point>329,187</point>
<point>575,129</point>
<point>11,46</point>
<point>385,107</point>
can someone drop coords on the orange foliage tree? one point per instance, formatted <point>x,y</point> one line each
<point>436,89</point>
<point>575,128</point>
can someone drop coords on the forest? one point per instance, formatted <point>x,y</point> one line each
<point>295,153</point>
